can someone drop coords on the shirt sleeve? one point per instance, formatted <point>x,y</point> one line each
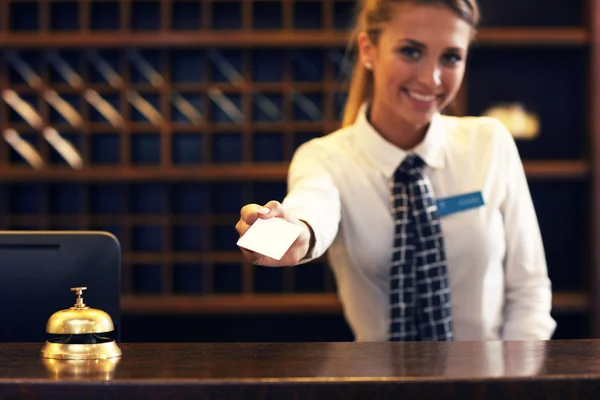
<point>313,196</point>
<point>528,292</point>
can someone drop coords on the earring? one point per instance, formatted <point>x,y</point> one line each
<point>368,65</point>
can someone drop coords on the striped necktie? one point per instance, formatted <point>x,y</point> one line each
<point>419,291</point>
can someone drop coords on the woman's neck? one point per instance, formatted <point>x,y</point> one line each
<point>394,128</point>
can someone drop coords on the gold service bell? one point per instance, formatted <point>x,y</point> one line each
<point>79,331</point>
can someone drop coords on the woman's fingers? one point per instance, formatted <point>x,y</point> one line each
<point>273,209</point>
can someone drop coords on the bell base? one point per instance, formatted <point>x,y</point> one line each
<point>66,351</point>
<point>101,370</point>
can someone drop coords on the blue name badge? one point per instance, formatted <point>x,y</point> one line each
<point>458,203</point>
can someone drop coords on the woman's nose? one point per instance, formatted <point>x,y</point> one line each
<point>431,77</point>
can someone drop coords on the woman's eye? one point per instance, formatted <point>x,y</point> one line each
<point>452,58</point>
<point>410,52</point>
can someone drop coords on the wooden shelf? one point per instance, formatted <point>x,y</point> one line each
<point>238,38</point>
<point>556,169</point>
<point>199,87</point>
<point>281,38</point>
<point>184,127</point>
<point>293,303</point>
<point>224,172</point>
<point>244,172</point>
<point>184,257</point>
<point>532,36</point>
<point>571,302</point>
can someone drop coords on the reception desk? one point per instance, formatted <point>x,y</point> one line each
<point>459,370</point>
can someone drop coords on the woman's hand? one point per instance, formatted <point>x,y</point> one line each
<point>273,209</point>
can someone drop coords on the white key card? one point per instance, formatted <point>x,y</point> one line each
<point>270,237</point>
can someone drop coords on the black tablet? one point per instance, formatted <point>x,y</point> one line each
<point>38,269</point>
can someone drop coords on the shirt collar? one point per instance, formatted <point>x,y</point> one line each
<point>387,157</point>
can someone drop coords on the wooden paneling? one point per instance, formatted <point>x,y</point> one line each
<point>171,190</point>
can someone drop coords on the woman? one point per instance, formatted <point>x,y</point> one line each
<point>428,219</point>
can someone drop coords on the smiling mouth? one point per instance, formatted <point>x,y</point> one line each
<point>422,100</point>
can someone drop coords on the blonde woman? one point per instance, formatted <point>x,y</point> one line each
<point>428,218</point>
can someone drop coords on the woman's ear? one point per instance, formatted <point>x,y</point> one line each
<point>366,50</point>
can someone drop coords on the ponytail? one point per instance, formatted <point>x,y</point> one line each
<point>359,91</point>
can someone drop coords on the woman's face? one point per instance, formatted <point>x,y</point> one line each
<point>418,62</point>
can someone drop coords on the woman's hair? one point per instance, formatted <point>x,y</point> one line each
<point>371,16</point>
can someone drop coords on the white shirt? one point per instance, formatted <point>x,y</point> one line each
<point>497,268</point>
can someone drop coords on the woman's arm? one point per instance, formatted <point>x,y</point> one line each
<point>313,196</point>
<point>312,202</point>
<point>528,291</point>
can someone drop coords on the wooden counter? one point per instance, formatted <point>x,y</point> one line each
<point>481,370</point>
